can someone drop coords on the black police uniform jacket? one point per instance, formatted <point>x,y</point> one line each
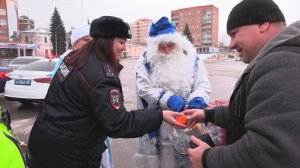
<point>81,108</point>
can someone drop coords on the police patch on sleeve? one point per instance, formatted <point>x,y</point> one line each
<point>115,98</point>
<point>64,71</point>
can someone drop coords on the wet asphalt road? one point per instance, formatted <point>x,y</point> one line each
<point>222,74</point>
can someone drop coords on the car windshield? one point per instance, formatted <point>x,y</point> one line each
<point>24,60</point>
<point>40,66</point>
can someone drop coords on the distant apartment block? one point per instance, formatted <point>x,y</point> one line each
<point>139,30</point>
<point>3,22</point>
<point>25,23</point>
<point>8,20</point>
<point>203,22</point>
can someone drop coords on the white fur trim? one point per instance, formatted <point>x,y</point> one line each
<point>181,42</point>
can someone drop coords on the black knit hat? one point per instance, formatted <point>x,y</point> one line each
<point>110,27</point>
<point>250,12</point>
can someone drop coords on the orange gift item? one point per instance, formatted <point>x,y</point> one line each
<point>182,119</point>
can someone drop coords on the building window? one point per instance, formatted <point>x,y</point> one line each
<point>3,32</point>
<point>3,22</point>
<point>26,39</point>
<point>46,53</point>
<point>2,12</point>
<point>46,40</point>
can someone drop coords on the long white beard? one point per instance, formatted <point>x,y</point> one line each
<point>173,72</point>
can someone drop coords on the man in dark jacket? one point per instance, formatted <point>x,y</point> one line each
<point>262,119</point>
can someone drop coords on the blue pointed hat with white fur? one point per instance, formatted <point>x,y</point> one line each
<point>164,31</point>
<point>162,26</point>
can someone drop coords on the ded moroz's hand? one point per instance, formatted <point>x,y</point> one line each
<point>198,103</point>
<point>176,103</point>
<point>195,154</point>
<point>194,116</point>
<point>169,117</point>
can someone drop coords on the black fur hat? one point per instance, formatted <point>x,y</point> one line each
<point>110,27</point>
<point>249,12</point>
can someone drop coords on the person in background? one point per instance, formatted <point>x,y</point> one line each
<point>170,76</point>
<point>11,153</point>
<point>85,104</point>
<point>80,35</point>
<point>262,119</point>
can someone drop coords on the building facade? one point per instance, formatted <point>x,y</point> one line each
<point>14,40</point>
<point>10,46</point>
<point>134,50</point>
<point>9,20</point>
<point>39,37</point>
<point>3,22</point>
<point>25,23</point>
<point>139,30</point>
<point>203,22</point>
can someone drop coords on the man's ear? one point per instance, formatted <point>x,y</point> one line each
<point>263,27</point>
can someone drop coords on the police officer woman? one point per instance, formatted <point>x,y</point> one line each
<point>84,103</point>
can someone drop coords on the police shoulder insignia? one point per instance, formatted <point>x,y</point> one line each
<point>108,71</point>
<point>115,98</point>
<point>64,71</point>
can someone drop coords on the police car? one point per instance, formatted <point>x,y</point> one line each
<point>31,82</point>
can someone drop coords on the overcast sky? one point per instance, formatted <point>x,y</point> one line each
<point>75,12</point>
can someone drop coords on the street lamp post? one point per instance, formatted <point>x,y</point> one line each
<point>81,11</point>
<point>56,44</point>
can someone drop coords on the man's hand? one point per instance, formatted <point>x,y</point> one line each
<point>195,154</point>
<point>169,117</point>
<point>194,116</point>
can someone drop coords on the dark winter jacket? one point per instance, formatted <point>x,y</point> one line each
<point>82,108</point>
<point>263,117</point>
